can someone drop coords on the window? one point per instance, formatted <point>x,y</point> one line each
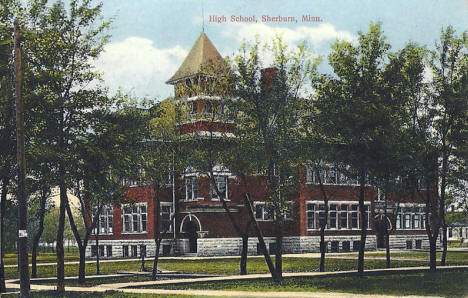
<point>331,176</point>
<point>142,250</point>
<point>418,244</point>
<point>93,250</point>
<point>416,221</point>
<point>321,215</point>
<point>310,216</point>
<point>332,217</point>
<point>263,212</point>
<point>191,188</point>
<point>125,251</point>
<point>356,245</point>
<point>367,217</point>
<point>109,250</point>
<point>221,184</point>
<point>411,218</point>
<point>409,244</point>
<point>346,246</point>
<point>344,216</point>
<point>335,246</point>
<point>355,216</point>
<point>105,222</point>
<point>166,213</point>
<point>340,215</point>
<point>134,251</point>
<point>101,250</point>
<point>407,221</point>
<point>135,218</point>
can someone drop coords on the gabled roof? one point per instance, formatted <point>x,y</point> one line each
<point>202,52</point>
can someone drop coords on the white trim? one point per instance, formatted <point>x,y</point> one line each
<point>203,97</point>
<point>338,202</point>
<point>190,217</point>
<point>338,215</point>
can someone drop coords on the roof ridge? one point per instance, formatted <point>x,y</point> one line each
<point>202,51</point>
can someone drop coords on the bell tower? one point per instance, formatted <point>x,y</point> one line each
<point>201,86</point>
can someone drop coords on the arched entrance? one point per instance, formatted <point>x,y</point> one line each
<point>191,226</point>
<point>191,230</point>
<point>382,224</point>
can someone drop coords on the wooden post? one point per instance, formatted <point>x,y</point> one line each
<point>21,191</point>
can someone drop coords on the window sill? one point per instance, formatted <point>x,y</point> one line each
<point>218,200</point>
<point>195,200</point>
<point>134,233</point>
<point>334,229</point>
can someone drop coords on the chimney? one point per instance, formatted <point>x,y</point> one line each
<point>268,77</point>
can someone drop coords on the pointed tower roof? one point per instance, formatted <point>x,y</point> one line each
<point>202,52</point>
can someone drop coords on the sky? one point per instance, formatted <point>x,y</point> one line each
<point>150,38</point>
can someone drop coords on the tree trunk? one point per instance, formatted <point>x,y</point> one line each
<point>261,241</point>
<point>362,245</point>
<point>387,248</point>
<point>323,244</point>
<point>444,244</point>
<point>243,259</point>
<point>154,272</point>
<point>157,234</point>
<point>3,197</point>
<point>98,271</point>
<point>244,252</point>
<point>323,249</point>
<point>432,253</point>
<point>60,229</point>
<point>82,265</point>
<point>279,248</point>
<point>38,235</point>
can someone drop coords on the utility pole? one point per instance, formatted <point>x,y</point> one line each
<point>22,202</point>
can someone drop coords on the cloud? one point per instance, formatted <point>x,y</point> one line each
<point>137,66</point>
<point>314,35</point>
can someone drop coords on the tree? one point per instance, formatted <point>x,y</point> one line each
<point>61,45</point>
<point>268,111</point>
<point>402,83</point>
<point>449,105</point>
<point>102,157</point>
<point>211,154</point>
<point>160,157</point>
<point>352,111</point>
<point>7,140</point>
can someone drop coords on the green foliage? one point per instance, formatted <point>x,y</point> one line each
<point>445,283</point>
<point>269,115</point>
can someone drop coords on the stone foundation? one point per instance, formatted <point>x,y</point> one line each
<point>232,246</point>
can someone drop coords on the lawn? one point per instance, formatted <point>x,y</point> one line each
<point>43,257</point>
<point>442,283</point>
<point>90,294</point>
<point>72,269</point>
<point>229,266</point>
<point>257,265</point>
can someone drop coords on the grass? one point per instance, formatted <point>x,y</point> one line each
<point>257,265</point>
<point>230,266</point>
<point>457,244</point>
<point>43,257</point>
<point>72,269</point>
<point>90,294</point>
<point>445,283</point>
